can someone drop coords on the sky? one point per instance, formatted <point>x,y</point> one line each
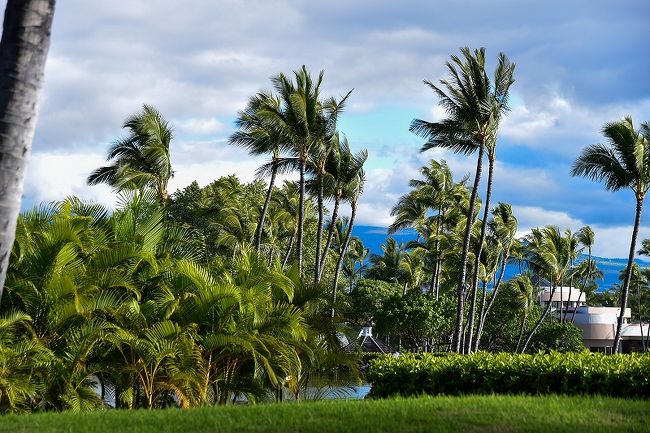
<point>579,64</point>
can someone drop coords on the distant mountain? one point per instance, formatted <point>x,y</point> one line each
<point>374,237</point>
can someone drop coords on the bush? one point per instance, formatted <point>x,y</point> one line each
<point>506,373</point>
<point>561,337</point>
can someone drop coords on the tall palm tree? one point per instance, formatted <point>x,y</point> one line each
<point>586,237</point>
<point>340,167</point>
<point>140,160</point>
<point>474,105</point>
<point>259,139</point>
<point>503,227</point>
<point>623,162</point>
<point>504,72</point>
<point>525,299</point>
<point>549,254</point>
<point>303,121</point>
<point>357,178</point>
<point>23,50</point>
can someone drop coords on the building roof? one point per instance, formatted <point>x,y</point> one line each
<point>565,294</point>
<point>367,343</point>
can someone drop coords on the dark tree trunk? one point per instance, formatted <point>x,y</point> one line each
<point>461,290</point>
<point>288,253</point>
<point>269,193</point>
<point>628,271</point>
<point>521,332</point>
<point>539,321</point>
<point>319,231</point>
<point>23,51</point>
<point>479,251</point>
<point>330,234</point>
<point>301,213</point>
<point>344,248</point>
<point>483,316</point>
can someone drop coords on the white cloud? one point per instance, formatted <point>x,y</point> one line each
<point>201,126</point>
<point>529,217</point>
<point>566,125</point>
<point>53,176</point>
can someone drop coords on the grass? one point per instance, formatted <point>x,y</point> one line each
<point>427,414</point>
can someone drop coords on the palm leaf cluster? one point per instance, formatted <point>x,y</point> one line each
<point>298,128</point>
<point>124,309</point>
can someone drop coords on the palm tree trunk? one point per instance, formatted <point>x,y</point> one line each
<point>344,248</point>
<point>483,301</point>
<point>23,50</point>
<point>288,253</point>
<point>330,234</point>
<point>539,321</point>
<point>460,292</point>
<point>561,299</point>
<point>269,193</point>
<point>628,270</point>
<point>576,307</point>
<point>435,284</point>
<point>319,230</point>
<point>483,316</point>
<point>479,250</point>
<point>521,332</point>
<point>301,212</point>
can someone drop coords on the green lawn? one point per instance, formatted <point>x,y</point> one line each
<point>429,414</point>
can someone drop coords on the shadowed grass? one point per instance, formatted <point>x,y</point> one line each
<point>427,414</point>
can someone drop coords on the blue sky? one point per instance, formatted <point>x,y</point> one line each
<point>579,64</point>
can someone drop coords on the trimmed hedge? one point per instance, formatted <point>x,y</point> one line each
<point>507,373</point>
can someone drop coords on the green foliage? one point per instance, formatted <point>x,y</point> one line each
<point>125,308</point>
<point>507,373</point>
<point>556,336</point>
<point>367,299</point>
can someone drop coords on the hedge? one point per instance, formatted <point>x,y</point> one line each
<point>621,375</point>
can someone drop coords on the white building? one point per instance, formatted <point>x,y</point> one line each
<point>598,324</point>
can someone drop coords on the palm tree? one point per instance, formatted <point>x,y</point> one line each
<point>504,229</point>
<point>475,106</point>
<point>140,160</point>
<point>525,298</point>
<point>259,140</point>
<point>549,254</point>
<point>341,168</point>
<point>624,162</point>
<point>357,177</point>
<point>23,50</point>
<point>303,121</point>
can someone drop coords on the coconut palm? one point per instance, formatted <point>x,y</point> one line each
<point>140,160</point>
<point>549,254</point>
<point>341,165</point>
<point>23,50</point>
<point>303,121</point>
<point>357,178</point>
<point>623,162</point>
<point>475,105</point>
<point>525,300</point>
<point>259,139</point>
<point>503,227</point>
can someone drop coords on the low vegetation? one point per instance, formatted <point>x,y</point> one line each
<point>508,373</point>
<point>440,414</point>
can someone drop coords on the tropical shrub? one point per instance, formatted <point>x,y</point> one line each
<point>506,373</point>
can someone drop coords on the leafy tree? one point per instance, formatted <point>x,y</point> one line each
<point>367,299</point>
<point>556,336</point>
